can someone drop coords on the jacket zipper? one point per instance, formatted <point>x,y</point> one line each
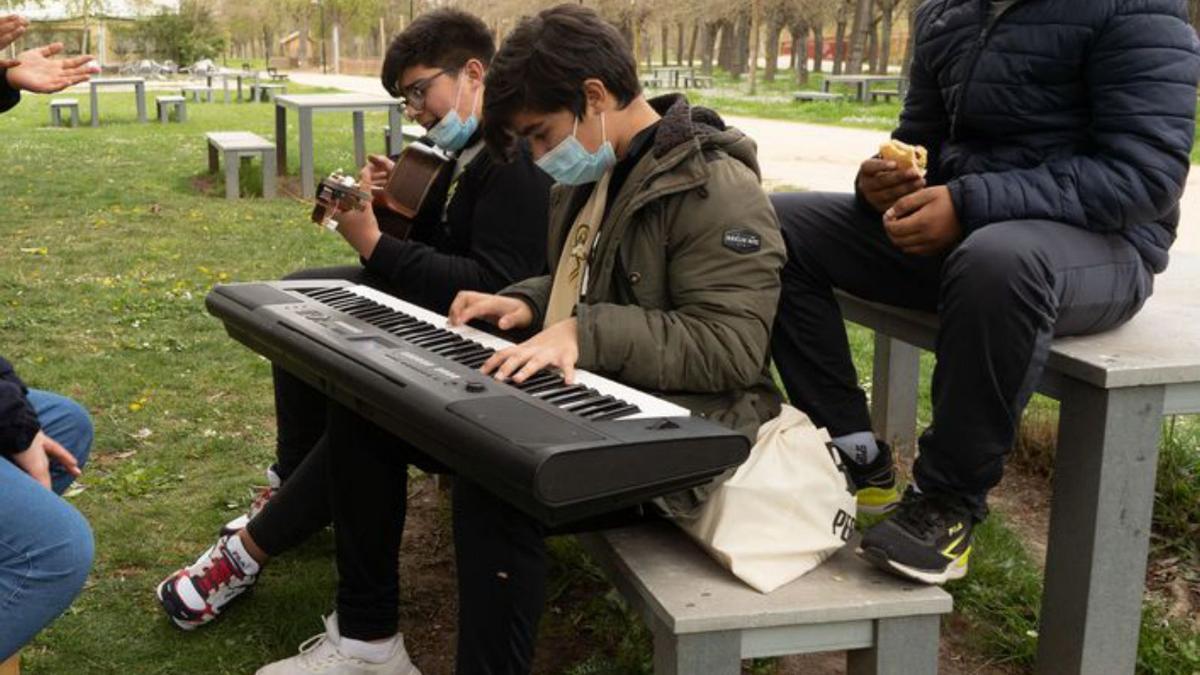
<point>989,24</point>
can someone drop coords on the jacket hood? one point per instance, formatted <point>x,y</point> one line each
<point>685,126</point>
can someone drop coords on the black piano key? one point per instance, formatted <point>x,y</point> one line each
<point>438,338</point>
<point>547,387</point>
<point>583,407</point>
<point>373,315</point>
<point>572,393</point>
<point>392,322</point>
<point>476,361</point>
<point>441,348</point>
<point>343,302</point>
<point>539,381</point>
<point>423,330</point>
<point>623,411</point>
<point>598,411</point>
<point>467,348</point>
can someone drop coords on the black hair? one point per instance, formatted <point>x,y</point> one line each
<point>444,38</point>
<point>543,64</point>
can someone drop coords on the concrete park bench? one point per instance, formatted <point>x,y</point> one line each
<point>885,94</point>
<point>194,92</point>
<point>705,621</point>
<point>238,145</point>
<point>807,96</point>
<point>167,104</point>
<point>59,106</point>
<point>264,91</point>
<point>1114,389</point>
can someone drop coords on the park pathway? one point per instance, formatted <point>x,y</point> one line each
<point>803,156</point>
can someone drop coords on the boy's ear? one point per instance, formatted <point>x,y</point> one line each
<point>596,95</point>
<point>474,69</point>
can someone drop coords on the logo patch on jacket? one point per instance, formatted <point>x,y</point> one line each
<point>742,241</point>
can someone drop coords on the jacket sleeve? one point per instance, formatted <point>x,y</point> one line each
<point>18,420</point>
<point>716,336</point>
<point>923,119</point>
<point>507,238</point>
<point>1141,76</point>
<point>536,293</point>
<point>9,96</point>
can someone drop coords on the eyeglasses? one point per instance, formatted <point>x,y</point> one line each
<point>413,96</point>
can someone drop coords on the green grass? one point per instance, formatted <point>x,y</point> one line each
<point>112,238</point>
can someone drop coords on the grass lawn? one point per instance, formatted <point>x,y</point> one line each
<point>113,238</point>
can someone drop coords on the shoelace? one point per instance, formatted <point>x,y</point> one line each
<point>260,500</point>
<point>313,661</point>
<point>927,515</point>
<point>216,574</point>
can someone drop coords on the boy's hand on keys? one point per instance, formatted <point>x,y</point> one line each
<point>923,223</point>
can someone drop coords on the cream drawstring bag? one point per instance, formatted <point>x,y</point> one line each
<point>783,512</point>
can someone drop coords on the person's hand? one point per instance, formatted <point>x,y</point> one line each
<point>35,460</point>
<point>41,74</point>
<point>11,28</point>
<point>881,184</point>
<point>360,229</point>
<point>373,177</point>
<point>923,223</point>
<point>504,312</point>
<point>557,347</point>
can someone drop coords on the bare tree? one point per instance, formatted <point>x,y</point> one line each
<point>858,35</point>
<point>839,39</point>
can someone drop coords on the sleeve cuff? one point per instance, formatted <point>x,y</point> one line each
<point>9,96</point>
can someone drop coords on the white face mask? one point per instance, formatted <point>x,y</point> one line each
<point>570,163</point>
<point>451,132</point>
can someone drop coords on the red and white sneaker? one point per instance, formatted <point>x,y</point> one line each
<point>263,495</point>
<point>197,594</point>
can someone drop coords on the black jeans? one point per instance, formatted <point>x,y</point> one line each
<point>1001,296</point>
<point>301,507</point>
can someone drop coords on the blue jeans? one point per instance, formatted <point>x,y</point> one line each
<point>45,544</point>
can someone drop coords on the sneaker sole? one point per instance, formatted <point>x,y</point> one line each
<point>957,569</point>
<point>183,625</point>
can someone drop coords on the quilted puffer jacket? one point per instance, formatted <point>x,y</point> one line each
<point>1080,112</point>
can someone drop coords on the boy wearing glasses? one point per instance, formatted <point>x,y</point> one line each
<point>483,227</point>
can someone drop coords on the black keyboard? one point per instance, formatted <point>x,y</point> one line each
<point>559,452</point>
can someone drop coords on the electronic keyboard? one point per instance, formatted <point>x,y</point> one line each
<point>559,452</point>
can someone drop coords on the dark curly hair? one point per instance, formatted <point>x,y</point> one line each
<point>543,64</point>
<point>444,38</point>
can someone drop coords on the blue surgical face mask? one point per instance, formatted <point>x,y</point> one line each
<point>451,132</point>
<point>570,163</point>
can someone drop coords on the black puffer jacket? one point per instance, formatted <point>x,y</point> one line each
<point>1077,111</point>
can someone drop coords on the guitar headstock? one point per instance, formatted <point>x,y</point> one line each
<point>338,193</point>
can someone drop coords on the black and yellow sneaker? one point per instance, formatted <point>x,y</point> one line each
<point>928,539</point>
<point>875,483</point>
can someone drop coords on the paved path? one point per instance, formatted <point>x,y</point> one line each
<point>803,156</point>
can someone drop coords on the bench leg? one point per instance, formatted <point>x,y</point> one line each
<point>162,113</point>
<point>360,141</point>
<point>1104,470</point>
<point>139,91</point>
<point>75,117</point>
<point>708,653</point>
<point>94,106</point>
<point>280,140</point>
<point>212,158</point>
<point>894,385</point>
<point>268,174</point>
<point>182,112</point>
<point>232,165</point>
<point>903,646</point>
<point>55,117</point>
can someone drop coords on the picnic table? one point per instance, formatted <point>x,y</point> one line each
<point>240,75</point>
<point>306,104</point>
<point>139,88</point>
<point>863,83</point>
<point>671,75</point>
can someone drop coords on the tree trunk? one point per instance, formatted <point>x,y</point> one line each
<point>799,32</point>
<point>906,66</point>
<point>666,42</point>
<point>302,54</point>
<point>679,44</point>
<point>818,48</point>
<point>873,50</point>
<point>858,35</point>
<point>692,47</point>
<point>740,45</point>
<point>885,36</point>
<point>755,29</point>
<point>726,50</point>
<point>839,41</point>
<point>774,28</point>
<point>708,41</point>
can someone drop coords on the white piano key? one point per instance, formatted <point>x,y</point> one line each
<point>650,406</point>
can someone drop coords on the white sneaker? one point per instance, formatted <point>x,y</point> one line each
<point>263,495</point>
<point>198,593</point>
<point>323,654</point>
